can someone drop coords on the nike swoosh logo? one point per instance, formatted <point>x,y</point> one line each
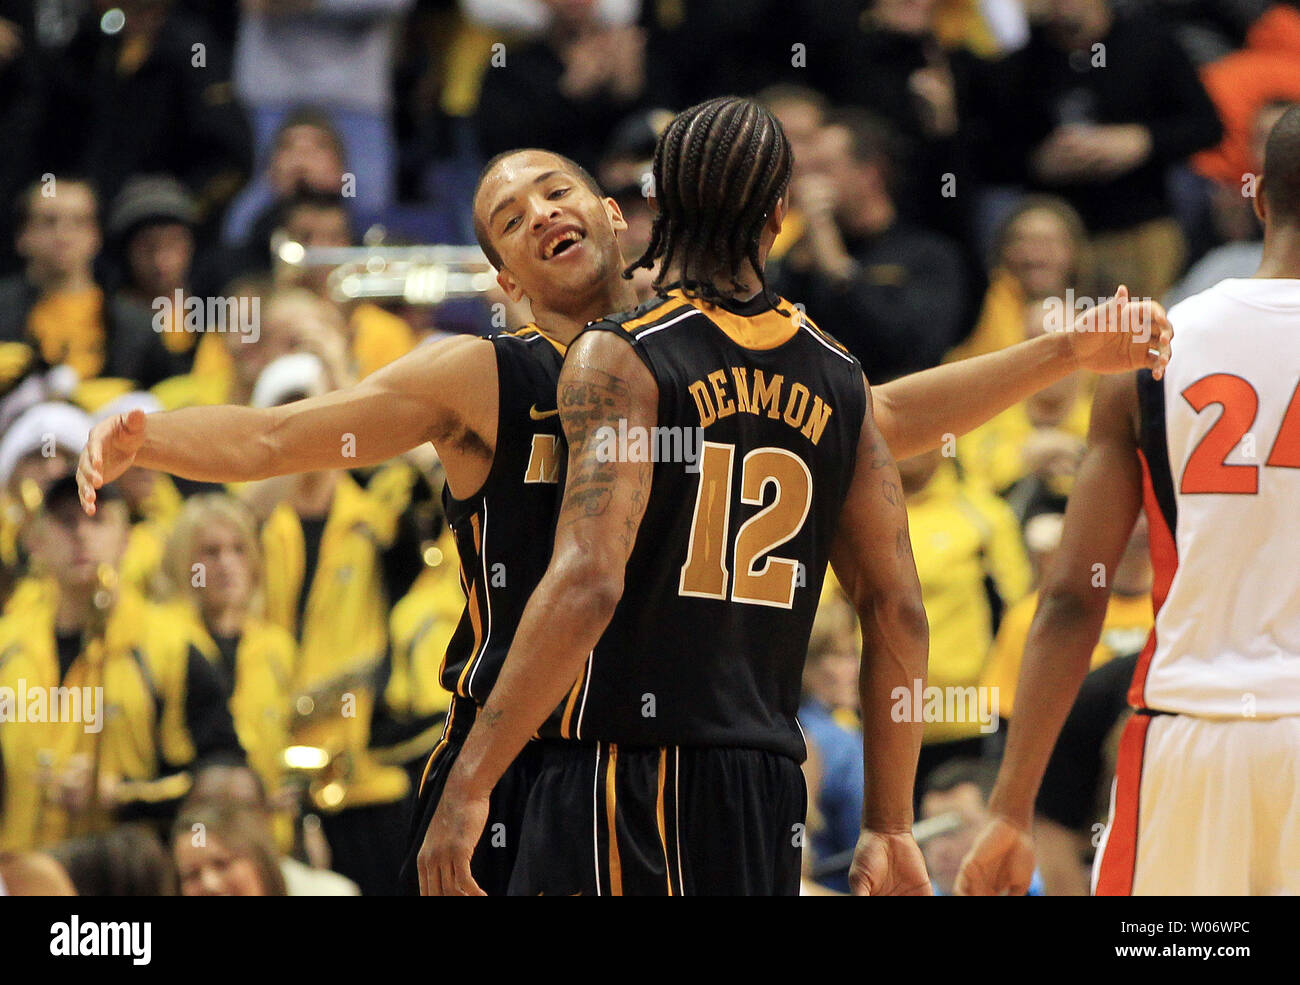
<point>541,415</point>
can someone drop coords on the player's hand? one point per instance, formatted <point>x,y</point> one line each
<point>888,865</point>
<point>1000,863</point>
<point>110,450</point>
<point>449,843</point>
<point>1122,335</point>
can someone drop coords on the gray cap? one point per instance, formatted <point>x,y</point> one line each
<point>151,199</point>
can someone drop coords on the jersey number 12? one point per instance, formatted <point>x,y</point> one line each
<point>773,582</point>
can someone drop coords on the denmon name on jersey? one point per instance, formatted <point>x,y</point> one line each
<point>716,397</point>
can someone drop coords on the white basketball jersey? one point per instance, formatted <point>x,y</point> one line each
<point>1220,440</point>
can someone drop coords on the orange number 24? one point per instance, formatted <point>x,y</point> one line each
<point>1207,468</point>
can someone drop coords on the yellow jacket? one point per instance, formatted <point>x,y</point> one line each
<point>960,535</point>
<point>159,710</point>
<point>422,624</point>
<point>262,699</point>
<point>261,703</point>
<point>343,642</point>
<point>1001,321</point>
<point>148,540</point>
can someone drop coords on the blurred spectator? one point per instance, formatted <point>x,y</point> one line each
<point>129,860</point>
<point>828,715</point>
<point>56,306</point>
<point>79,774</point>
<point>306,155</point>
<point>374,336</point>
<point>323,545</point>
<point>144,89</point>
<point>1232,210</point>
<point>972,564</point>
<point>238,788</point>
<point>336,55</point>
<point>37,448</point>
<point>1096,108</point>
<point>1040,252</point>
<point>802,112</point>
<point>224,850</point>
<point>903,73</point>
<point>214,571</point>
<point>150,230</point>
<point>230,361</point>
<point>566,91</point>
<point>1030,453</point>
<point>893,294</point>
<point>958,794</point>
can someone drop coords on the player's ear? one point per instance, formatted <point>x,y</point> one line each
<point>777,217</point>
<point>506,281</point>
<point>615,215</point>
<point>1258,200</point>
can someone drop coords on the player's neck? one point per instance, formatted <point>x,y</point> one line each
<point>1281,252</point>
<point>743,287</point>
<point>564,326</point>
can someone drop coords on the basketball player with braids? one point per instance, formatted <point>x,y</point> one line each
<point>660,656</point>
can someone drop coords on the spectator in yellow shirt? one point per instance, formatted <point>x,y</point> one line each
<point>213,570</point>
<point>1029,453</point>
<point>969,557</point>
<point>1040,251</point>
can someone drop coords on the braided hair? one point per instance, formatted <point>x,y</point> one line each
<point>719,170</point>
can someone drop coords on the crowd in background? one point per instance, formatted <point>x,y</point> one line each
<point>269,653</point>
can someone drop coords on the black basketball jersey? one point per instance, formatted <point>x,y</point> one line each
<point>759,417</point>
<point>504,533</point>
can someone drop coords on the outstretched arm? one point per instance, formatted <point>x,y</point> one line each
<point>603,382</point>
<point>1098,523</point>
<point>435,393</point>
<point>872,557</point>
<point>917,411</point>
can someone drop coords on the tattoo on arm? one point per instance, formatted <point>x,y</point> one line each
<point>590,401</point>
<point>880,455</point>
<point>903,544</point>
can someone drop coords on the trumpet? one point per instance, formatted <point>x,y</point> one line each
<point>421,275</point>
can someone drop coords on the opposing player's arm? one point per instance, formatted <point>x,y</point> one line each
<point>603,382</point>
<point>917,412</point>
<point>1103,506</point>
<point>872,558</point>
<point>436,392</point>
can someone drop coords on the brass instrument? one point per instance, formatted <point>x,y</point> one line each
<point>418,275</point>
